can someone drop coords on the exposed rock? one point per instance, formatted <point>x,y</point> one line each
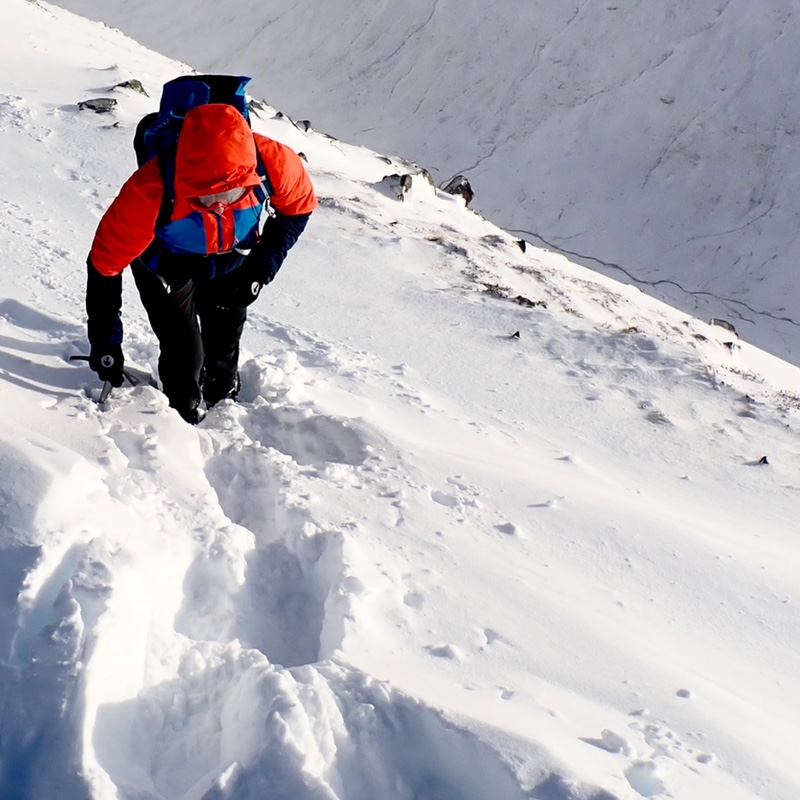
<point>134,84</point>
<point>520,299</point>
<point>721,323</point>
<point>397,185</point>
<point>257,107</point>
<point>493,240</point>
<point>100,105</point>
<point>460,186</point>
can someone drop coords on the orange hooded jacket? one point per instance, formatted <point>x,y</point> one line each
<point>216,152</point>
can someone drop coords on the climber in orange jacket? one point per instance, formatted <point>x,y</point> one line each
<point>204,227</point>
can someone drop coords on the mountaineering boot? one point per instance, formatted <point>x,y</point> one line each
<point>215,390</point>
<point>191,411</point>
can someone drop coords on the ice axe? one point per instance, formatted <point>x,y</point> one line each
<point>107,387</point>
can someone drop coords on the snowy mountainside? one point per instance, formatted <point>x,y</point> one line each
<point>483,523</point>
<point>654,142</point>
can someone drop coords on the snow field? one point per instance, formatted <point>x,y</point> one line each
<point>421,558</point>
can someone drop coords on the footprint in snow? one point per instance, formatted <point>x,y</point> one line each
<point>612,743</point>
<point>508,528</point>
<point>295,595</point>
<point>311,440</point>
<point>444,499</point>
<point>461,495</point>
<point>449,651</point>
<point>645,779</point>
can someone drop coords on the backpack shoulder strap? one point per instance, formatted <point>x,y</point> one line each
<point>264,189</point>
<point>139,147</point>
<point>166,164</point>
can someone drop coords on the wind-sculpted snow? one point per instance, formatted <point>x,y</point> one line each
<point>241,694</point>
<point>481,524</point>
<point>314,732</point>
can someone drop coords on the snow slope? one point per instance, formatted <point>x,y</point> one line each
<point>484,524</point>
<point>655,142</point>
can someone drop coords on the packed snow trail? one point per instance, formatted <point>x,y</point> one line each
<point>160,637</point>
<point>482,524</point>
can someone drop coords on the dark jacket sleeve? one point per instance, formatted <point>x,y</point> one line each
<point>103,304</point>
<point>278,237</point>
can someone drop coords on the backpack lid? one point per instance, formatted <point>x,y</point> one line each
<point>184,93</point>
<point>181,95</point>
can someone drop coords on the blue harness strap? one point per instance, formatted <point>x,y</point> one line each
<point>264,189</point>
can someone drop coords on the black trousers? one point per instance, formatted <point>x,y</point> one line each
<point>198,340</point>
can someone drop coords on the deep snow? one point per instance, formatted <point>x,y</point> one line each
<point>423,558</point>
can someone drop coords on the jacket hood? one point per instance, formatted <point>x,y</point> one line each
<point>216,152</point>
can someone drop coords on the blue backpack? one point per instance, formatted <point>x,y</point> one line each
<point>157,133</point>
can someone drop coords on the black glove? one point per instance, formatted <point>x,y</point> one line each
<point>278,237</point>
<point>103,303</point>
<point>107,362</point>
<point>236,289</point>
<point>241,286</point>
